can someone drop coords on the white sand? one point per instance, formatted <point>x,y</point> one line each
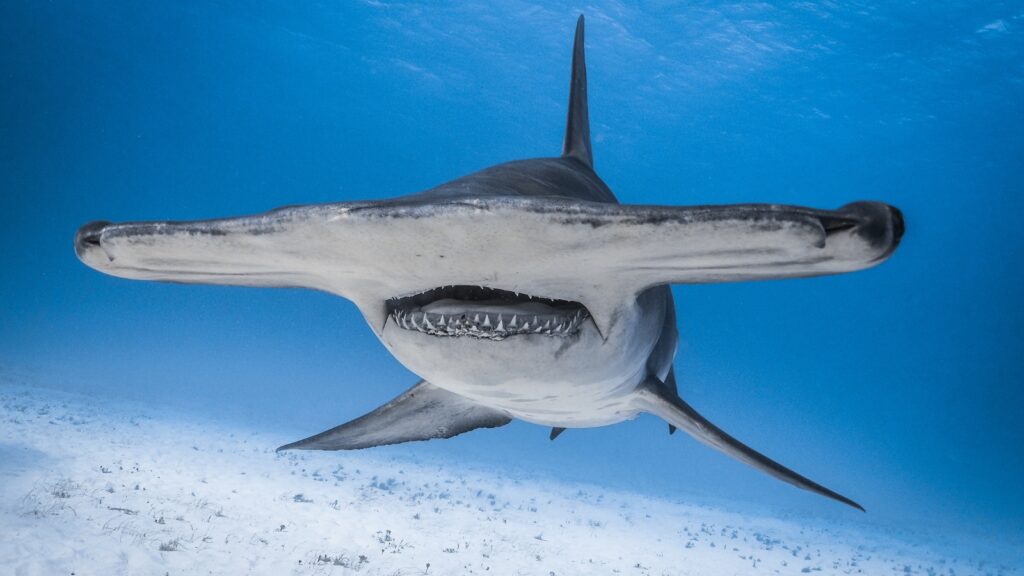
<point>96,487</point>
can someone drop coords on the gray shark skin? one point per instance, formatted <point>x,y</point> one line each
<point>522,291</point>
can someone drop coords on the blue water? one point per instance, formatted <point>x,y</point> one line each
<point>900,386</point>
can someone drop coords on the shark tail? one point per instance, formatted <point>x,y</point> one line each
<point>657,398</point>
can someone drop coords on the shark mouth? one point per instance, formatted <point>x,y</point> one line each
<point>488,313</point>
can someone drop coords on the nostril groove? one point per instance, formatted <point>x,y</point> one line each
<point>89,235</point>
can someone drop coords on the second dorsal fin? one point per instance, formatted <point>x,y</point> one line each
<point>577,128</point>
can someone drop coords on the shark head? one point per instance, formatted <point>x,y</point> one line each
<point>480,290</point>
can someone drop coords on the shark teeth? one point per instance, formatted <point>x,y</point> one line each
<point>491,326</point>
<point>482,312</point>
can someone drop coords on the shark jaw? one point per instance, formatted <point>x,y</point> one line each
<point>486,313</point>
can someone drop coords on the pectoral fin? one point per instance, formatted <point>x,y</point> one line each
<point>655,398</point>
<point>423,412</point>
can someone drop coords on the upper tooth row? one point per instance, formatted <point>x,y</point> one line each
<point>491,322</point>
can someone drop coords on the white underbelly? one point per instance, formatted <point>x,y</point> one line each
<point>583,380</point>
<point>562,403</point>
<point>577,382</point>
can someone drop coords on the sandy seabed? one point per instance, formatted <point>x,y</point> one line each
<point>90,487</point>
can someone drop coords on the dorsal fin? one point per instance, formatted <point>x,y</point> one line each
<point>577,128</point>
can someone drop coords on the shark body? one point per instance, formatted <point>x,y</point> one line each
<point>521,291</point>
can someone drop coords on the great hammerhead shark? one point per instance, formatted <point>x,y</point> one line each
<point>522,291</point>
